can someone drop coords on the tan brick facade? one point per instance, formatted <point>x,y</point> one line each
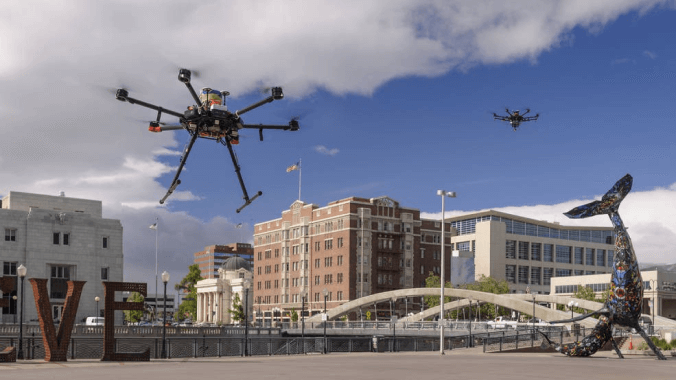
<point>211,258</point>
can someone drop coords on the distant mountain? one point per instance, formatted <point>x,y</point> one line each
<point>658,267</point>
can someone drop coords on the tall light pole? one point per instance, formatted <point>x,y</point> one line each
<point>21,271</point>
<point>443,194</point>
<point>653,285</point>
<point>303,293</point>
<point>165,279</point>
<point>97,299</point>
<point>470,321</point>
<point>361,264</point>
<point>393,318</point>
<point>246,285</point>
<point>533,314</point>
<point>154,227</point>
<point>14,298</point>
<point>326,316</point>
<point>571,305</point>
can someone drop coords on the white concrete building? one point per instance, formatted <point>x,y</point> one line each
<point>215,296</point>
<point>60,239</point>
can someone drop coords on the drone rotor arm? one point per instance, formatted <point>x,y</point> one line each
<point>153,107</point>
<point>194,94</point>
<point>277,94</point>
<point>177,181</point>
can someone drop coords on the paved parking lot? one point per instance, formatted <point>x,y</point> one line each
<point>421,365</point>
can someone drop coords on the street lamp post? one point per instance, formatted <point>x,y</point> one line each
<point>470,321</point>
<point>165,279</point>
<point>97,299</point>
<point>571,305</point>
<point>326,316</point>
<point>653,285</point>
<point>21,271</point>
<point>533,314</point>
<point>303,293</point>
<point>246,317</point>
<point>443,194</point>
<point>14,298</point>
<point>393,317</point>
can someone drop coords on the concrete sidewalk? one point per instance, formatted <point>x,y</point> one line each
<point>472,364</point>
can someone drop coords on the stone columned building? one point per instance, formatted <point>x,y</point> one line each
<point>215,296</point>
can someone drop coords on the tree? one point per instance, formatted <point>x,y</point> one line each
<point>188,307</point>
<point>434,281</point>
<point>237,311</point>
<point>587,293</point>
<point>132,316</point>
<point>489,285</point>
<point>294,315</point>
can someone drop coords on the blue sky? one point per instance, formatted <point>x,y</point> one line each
<point>395,98</point>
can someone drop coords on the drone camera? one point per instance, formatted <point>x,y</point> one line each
<point>184,75</point>
<point>121,95</point>
<point>277,93</point>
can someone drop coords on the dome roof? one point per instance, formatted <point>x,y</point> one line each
<point>236,263</point>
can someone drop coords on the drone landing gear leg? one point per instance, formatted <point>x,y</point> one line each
<point>177,181</point>
<point>247,200</point>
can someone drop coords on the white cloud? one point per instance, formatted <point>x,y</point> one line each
<point>648,214</point>
<point>324,150</point>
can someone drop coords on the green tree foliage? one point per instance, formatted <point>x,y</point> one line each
<point>489,285</point>
<point>586,293</point>
<point>132,316</point>
<point>294,315</point>
<point>188,307</point>
<point>237,311</point>
<point>434,281</point>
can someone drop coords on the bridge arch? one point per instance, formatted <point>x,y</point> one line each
<point>519,302</point>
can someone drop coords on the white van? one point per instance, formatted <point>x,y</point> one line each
<point>94,321</point>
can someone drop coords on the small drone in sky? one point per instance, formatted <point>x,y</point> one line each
<point>209,119</point>
<point>515,118</point>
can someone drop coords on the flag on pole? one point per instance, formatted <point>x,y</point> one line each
<point>293,167</point>
<point>153,226</point>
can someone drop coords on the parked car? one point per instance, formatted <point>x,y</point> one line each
<point>94,321</point>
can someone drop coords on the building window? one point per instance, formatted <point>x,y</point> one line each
<point>523,250</point>
<point>58,281</point>
<point>66,239</point>
<point>535,249</point>
<point>563,254</point>
<point>600,257</point>
<point>10,234</point>
<point>547,276</point>
<point>56,238</point>
<point>105,242</point>
<point>339,278</point>
<point>589,256</point>
<point>579,256</point>
<point>535,275</point>
<point>610,257</point>
<point>560,272</point>
<point>340,242</point>
<point>104,274</point>
<point>510,273</point>
<point>523,274</point>
<point>510,249</point>
<point>548,253</point>
<point>339,260</point>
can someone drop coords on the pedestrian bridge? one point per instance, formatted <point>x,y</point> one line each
<point>524,303</point>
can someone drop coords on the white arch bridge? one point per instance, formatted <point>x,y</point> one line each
<point>524,303</point>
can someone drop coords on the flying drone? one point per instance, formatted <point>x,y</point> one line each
<point>515,118</point>
<point>209,119</point>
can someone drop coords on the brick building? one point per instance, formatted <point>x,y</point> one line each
<point>214,256</point>
<point>314,248</point>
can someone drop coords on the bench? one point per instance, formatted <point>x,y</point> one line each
<point>8,355</point>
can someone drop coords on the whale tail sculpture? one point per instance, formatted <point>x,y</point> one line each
<point>623,305</point>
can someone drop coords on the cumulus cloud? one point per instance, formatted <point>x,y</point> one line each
<point>324,150</point>
<point>647,214</point>
<point>66,133</point>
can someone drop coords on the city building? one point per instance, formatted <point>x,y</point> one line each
<point>659,287</point>
<point>311,249</point>
<point>216,296</point>
<point>528,253</point>
<point>60,239</point>
<point>213,257</point>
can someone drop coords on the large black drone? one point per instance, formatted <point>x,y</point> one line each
<point>514,118</point>
<point>209,119</point>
